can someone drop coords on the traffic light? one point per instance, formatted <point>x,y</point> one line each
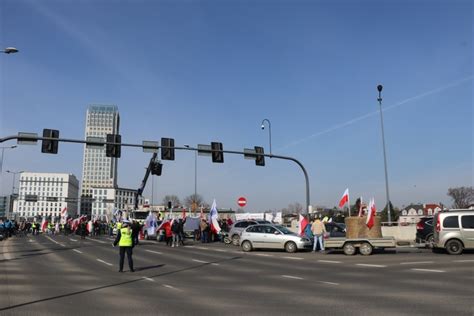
<point>113,150</point>
<point>50,146</point>
<point>156,168</point>
<point>167,153</point>
<point>217,154</point>
<point>259,159</point>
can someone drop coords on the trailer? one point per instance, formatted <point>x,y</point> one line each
<point>364,245</point>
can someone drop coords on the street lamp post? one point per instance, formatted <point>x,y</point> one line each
<point>14,177</point>
<point>379,88</point>
<point>195,176</point>
<point>1,157</point>
<point>269,132</point>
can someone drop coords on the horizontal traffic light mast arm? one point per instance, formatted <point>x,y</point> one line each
<point>102,143</point>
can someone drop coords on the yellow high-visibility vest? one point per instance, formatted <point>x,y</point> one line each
<point>126,237</point>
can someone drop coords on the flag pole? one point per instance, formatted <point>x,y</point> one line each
<point>349,204</point>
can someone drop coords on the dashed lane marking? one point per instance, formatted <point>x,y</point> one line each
<point>291,277</point>
<point>200,261</point>
<point>429,270</point>
<point>78,251</point>
<point>463,260</point>
<point>157,252</point>
<point>109,264</point>
<point>293,258</point>
<point>72,239</point>
<point>329,261</point>
<point>371,265</point>
<point>55,241</point>
<point>263,255</point>
<point>149,279</point>
<point>99,241</point>
<point>330,283</point>
<point>220,250</point>
<point>205,248</point>
<point>417,262</point>
<point>171,287</point>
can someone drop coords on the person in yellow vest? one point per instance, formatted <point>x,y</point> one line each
<point>125,241</point>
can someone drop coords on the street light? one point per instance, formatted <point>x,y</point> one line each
<point>195,176</point>
<point>1,157</point>
<point>14,176</point>
<point>9,50</point>
<point>379,88</point>
<point>269,131</point>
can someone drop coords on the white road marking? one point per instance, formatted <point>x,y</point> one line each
<point>30,240</point>
<point>170,287</point>
<point>157,252</point>
<point>291,277</point>
<point>370,265</point>
<point>55,241</point>
<point>200,261</point>
<point>294,258</point>
<point>428,270</point>
<point>330,283</point>
<point>463,260</point>
<point>100,241</point>
<point>263,255</point>
<point>72,239</point>
<point>329,261</point>
<point>205,248</point>
<point>220,250</point>
<point>78,251</point>
<point>109,264</point>
<point>417,262</point>
<point>149,279</point>
<point>214,264</point>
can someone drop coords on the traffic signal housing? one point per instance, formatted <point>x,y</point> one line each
<point>113,150</point>
<point>167,153</point>
<point>156,168</point>
<point>50,146</point>
<point>217,153</point>
<point>259,159</point>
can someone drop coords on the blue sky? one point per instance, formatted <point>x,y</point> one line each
<point>202,71</point>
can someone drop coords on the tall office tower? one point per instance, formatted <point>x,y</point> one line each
<point>98,170</point>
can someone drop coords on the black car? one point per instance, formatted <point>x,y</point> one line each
<point>424,231</point>
<point>335,229</point>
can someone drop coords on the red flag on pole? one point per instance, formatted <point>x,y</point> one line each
<point>371,214</point>
<point>303,223</point>
<point>344,199</point>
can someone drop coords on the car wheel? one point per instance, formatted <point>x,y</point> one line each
<point>290,247</point>
<point>429,241</point>
<point>349,249</point>
<point>454,247</point>
<point>247,246</point>
<point>365,249</point>
<point>236,240</point>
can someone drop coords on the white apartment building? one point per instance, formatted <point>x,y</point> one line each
<point>98,170</point>
<point>46,194</point>
<point>106,200</point>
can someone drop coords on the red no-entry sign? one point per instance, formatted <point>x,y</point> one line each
<point>242,201</point>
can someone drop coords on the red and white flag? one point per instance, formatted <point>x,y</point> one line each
<point>371,214</point>
<point>213,216</point>
<point>64,215</point>
<point>44,225</point>
<point>184,214</point>
<point>303,223</point>
<point>344,199</point>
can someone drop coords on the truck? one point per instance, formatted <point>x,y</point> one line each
<point>364,245</point>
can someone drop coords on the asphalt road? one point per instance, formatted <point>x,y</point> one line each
<point>42,275</point>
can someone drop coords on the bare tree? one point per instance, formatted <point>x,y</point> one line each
<point>295,208</point>
<point>462,196</point>
<point>198,199</point>
<point>173,198</point>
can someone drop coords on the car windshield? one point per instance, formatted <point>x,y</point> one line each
<point>285,230</point>
<point>263,222</point>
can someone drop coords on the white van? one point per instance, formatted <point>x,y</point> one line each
<point>454,231</point>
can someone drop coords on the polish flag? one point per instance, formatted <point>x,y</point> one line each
<point>64,215</point>
<point>44,225</point>
<point>371,214</point>
<point>213,216</point>
<point>344,199</point>
<point>303,223</point>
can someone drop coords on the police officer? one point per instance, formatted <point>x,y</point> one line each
<point>125,241</point>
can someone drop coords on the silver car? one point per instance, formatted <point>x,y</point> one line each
<point>454,231</point>
<point>239,226</point>
<point>268,236</point>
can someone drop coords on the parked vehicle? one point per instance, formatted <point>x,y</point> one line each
<point>425,231</point>
<point>152,236</point>
<point>454,231</point>
<point>269,236</point>
<point>238,227</point>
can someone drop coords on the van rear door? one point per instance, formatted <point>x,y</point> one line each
<point>467,224</point>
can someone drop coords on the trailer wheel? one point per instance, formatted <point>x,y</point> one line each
<point>365,249</point>
<point>349,249</point>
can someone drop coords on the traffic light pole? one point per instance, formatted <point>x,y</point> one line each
<point>33,138</point>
